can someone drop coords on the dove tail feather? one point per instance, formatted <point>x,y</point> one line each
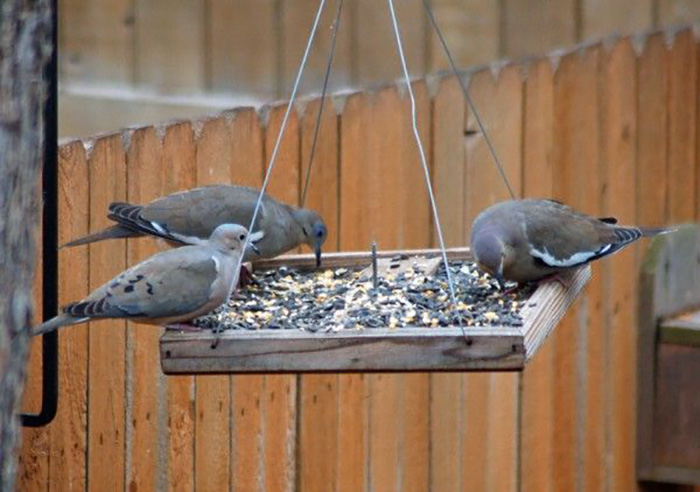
<point>655,231</point>
<point>113,232</point>
<point>55,323</point>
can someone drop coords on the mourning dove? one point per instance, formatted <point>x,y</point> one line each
<point>529,240</point>
<point>189,216</point>
<point>169,287</point>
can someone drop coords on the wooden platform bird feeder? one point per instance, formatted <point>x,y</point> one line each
<point>383,348</point>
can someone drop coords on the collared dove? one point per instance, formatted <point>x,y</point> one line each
<point>189,216</point>
<point>529,240</point>
<point>169,287</point>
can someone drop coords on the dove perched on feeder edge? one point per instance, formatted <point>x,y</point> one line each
<point>187,217</point>
<point>531,240</point>
<point>169,287</point>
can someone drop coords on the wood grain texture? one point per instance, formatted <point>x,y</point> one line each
<point>530,27</point>
<point>681,127</point>
<point>566,149</point>
<point>448,161</point>
<point>280,391</point>
<point>375,52</point>
<point>97,41</point>
<point>471,30</point>
<point>107,338</point>
<point>178,159</point>
<point>619,127</point>
<point>68,451</point>
<point>145,443</point>
<point>296,20</point>
<point>618,17</point>
<point>163,28</point>
<point>247,463</point>
<point>319,394</point>
<point>213,393</point>
<point>233,25</point>
<point>536,400</point>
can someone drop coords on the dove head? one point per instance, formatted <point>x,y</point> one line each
<point>490,253</point>
<point>229,238</point>
<point>313,229</point>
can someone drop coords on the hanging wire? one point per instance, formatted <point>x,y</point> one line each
<point>477,116</point>
<point>273,157</point>
<point>335,27</point>
<point>424,162</point>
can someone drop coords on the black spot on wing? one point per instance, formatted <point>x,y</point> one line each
<point>136,279</point>
<point>608,220</point>
<point>128,288</point>
<point>150,288</point>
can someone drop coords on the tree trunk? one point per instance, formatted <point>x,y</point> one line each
<point>25,49</point>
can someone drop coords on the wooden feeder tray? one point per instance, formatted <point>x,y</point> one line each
<point>485,348</point>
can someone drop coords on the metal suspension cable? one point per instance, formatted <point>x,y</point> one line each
<point>335,27</point>
<point>273,157</point>
<point>472,106</point>
<point>421,151</point>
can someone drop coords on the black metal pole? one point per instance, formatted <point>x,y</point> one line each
<point>49,352</point>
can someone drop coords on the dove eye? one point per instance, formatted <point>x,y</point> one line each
<point>242,237</point>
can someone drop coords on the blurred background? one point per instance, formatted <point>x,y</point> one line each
<point>128,62</point>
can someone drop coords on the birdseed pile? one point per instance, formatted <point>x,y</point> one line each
<point>340,299</point>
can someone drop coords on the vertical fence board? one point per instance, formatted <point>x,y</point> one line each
<point>600,18</point>
<point>565,339</point>
<point>165,27</point>
<point>471,30</point>
<point>652,144</point>
<point>179,164</point>
<point>448,155</point>
<point>68,432</point>
<point>618,77</point>
<point>97,41</point>
<point>213,397</point>
<point>107,338</point>
<point>319,393</point>
<point>531,27</point>
<point>242,47</point>
<point>681,127</point>
<point>145,183</point>
<point>353,389</point>
<point>280,391</point>
<point>246,168</point>
<point>536,438</point>
<point>590,428</point>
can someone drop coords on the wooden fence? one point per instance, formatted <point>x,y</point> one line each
<point>610,128</point>
<point>131,61</point>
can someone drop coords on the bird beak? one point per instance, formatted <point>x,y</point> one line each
<point>501,281</point>
<point>318,256</point>
<point>255,248</point>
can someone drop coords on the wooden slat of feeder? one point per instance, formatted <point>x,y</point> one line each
<point>353,259</point>
<point>547,306</point>
<point>381,349</point>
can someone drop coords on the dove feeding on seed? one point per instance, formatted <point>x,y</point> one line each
<point>530,240</point>
<point>187,217</point>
